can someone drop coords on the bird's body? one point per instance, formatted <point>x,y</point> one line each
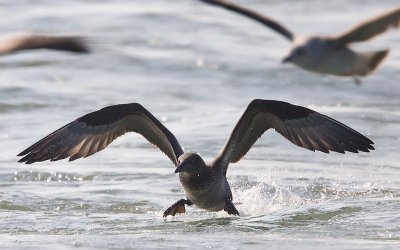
<point>340,62</point>
<point>205,185</point>
<point>208,190</point>
<point>325,58</point>
<point>328,54</point>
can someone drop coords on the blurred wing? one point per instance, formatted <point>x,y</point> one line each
<point>302,126</point>
<point>255,16</point>
<point>32,41</point>
<point>370,28</point>
<point>94,131</point>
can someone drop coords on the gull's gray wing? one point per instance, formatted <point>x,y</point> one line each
<point>302,126</point>
<point>369,28</point>
<point>32,41</point>
<point>94,131</point>
<point>253,15</point>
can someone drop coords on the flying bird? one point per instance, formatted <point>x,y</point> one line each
<point>32,41</point>
<point>329,54</point>
<point>205,185</point>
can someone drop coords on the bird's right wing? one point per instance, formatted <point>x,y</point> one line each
<point>32,41</point>
<point>302,126</point>
<point>255,16</point>
<point>94,131</point>
<point>369,28</point>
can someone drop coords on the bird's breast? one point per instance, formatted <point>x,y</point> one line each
<point>339,61</point>
<point>208,191</point>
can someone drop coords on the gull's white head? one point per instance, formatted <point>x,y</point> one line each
<point>306,52</point>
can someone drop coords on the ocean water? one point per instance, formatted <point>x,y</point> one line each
<point>196,68</point>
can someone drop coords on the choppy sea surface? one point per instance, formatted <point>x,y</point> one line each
<point>196,68</point>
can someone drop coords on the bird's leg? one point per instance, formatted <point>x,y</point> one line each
<point>177,207</point>
<point>230,208</point>
<point>357,80</point>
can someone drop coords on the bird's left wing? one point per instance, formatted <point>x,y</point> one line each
<point>95,131</point>
<point>302,126</point>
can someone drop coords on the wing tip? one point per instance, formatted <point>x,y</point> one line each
<point>74,157</point>
<point>323,150</point>
<point>26,151</point>
<point>25,158</point>
<point>21,161</point>
<point>366,148</point>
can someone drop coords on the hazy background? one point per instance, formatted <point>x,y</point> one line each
<point>196,68</point>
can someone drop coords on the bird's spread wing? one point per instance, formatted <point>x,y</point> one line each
<point>253,15</point>
<point>31,41</point>
<point>369,28</point>
<point>94,131</point>
<point>302,126</point>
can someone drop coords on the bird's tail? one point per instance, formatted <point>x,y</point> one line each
<point>372,59</point>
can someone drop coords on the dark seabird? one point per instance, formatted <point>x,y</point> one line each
<point>32,41</point>
<point>205,185</point>
<point>329,54</point>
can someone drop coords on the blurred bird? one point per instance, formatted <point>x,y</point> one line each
<point>31,41</point>
<point>329,54</point>
<point>205,185</point>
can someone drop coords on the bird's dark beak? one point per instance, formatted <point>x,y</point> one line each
<point>180,168</point>
<point>286,59</point>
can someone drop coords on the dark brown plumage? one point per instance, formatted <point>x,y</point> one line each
<point>205,185</point>
<point>272,24</point>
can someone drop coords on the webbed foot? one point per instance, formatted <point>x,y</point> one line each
<point>357,80</point>
<point>177,207</point>
<point>230,208</point>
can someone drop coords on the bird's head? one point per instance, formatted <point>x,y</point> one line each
<point>305,53</point>
<point>297,55</point>
<point>190,163</point>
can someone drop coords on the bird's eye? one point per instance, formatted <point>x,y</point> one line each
<point>301,52</point>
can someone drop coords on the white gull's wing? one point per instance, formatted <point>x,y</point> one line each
<point>369,28</point>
